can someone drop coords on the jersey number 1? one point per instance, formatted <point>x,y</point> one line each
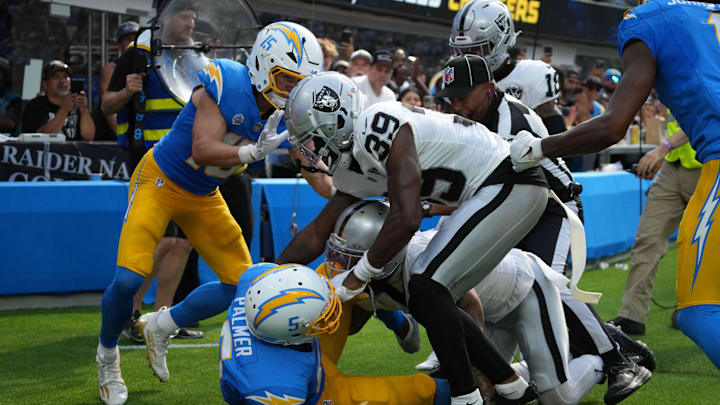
<point>714,20</point>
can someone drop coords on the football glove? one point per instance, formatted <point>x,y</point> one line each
<point>268,141</point>
<point>525,151</point>
<point>344,293</point>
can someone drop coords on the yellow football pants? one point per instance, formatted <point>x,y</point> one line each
<point>342,389</point>
<point>698,281</point>
<point>154,200</point>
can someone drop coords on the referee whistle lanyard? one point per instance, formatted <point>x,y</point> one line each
<point>579,257</point>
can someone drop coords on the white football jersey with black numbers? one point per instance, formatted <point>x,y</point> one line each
<point>455,154</point>
<point>533,82</point>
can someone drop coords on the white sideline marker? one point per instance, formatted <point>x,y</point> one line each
<point>185,346</point>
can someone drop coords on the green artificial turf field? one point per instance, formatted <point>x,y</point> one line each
<point>47,356</point>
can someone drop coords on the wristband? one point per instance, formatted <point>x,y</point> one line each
<point>245,153</point>
<point>365,271</point>
<point>668,145</point>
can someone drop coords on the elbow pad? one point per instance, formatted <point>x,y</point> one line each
<point>555,124</point>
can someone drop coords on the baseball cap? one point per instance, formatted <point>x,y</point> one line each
<point>54,66</point>
<point>613,75</point>
<point>128,27</point>
<point>462,73</point>
<point>383,57</point>
<point>361,53</point>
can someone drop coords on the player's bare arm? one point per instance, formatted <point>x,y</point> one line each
<point>309,243</point>
<point>320,182</point>
<point>404,183</point>
<point>608,128</point>
<point>208,131</point>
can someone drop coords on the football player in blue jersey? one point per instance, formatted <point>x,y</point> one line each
<point>272,329</point>
<point>674,47</point>
<point>231,120</point>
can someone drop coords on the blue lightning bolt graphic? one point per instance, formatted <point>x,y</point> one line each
<point>703,228</point>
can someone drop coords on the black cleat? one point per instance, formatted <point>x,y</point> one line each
<point>623,380</point>
<point>530,395</point>
<point>635,350</point>
<point>131,331</point>
<point>629,326</point>
<point>183,333</point>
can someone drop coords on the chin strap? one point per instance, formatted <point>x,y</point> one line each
<point>310,168</point>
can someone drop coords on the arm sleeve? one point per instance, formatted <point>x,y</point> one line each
<point>32,117</point>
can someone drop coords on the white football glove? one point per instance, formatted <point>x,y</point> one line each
<point>344,293</point>
<point>525,151</point>
<point>268,141</point>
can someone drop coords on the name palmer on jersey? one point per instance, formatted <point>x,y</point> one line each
<point>533,82</point>
<point>456,155</point>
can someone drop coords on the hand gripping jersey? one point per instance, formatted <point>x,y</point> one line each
<point>683,38</point>
<point>456,155</point>
<point>257,372</point>
<point>228,83</point>
<point>533,82</point>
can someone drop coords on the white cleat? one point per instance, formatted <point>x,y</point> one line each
<point>156,342</point>
<point>430,364</point>
<point>110,382</point>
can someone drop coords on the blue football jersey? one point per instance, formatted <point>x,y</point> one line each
<point>228,83</point>
<point>257,372</point>
<point>684,38</point>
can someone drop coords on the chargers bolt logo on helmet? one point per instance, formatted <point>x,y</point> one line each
<point>282,48</point>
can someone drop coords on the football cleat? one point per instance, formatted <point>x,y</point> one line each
<point>528,396</point>
<point>113,390</point>
<point>430,364</point>
<point>131,331</point>
<point>629,326</point>
<point>156,342</point>
<point>623,380</point>
<point>183,333</point>
<point>635,350</point>
<point>411,342</point>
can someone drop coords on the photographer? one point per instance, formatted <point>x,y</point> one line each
<point>61,109</point>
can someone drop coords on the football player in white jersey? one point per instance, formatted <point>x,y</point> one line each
<point>485,28</point>
<point>550,239</point>
<point>410,153</point>
<point>521,303</point>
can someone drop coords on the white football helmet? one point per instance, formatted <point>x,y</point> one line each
<point>282,47</point>
<point>484,28</point>
<point>355,231</point>
<point>290,305</point>
<point>319,117</point>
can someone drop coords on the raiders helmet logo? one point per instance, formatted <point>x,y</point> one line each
<point>449,75</point>
<point>516,92</point>
<point>326,100</point>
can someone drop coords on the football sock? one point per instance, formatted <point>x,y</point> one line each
<point>117,305</point>
<point>203,302</point>
<point>472,398</point>
<point>442,391</point>
<point>512,390</point>
<point>393,320</point>
<point>166,323</point>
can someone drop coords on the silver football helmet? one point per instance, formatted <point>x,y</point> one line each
<point>319,116</point>
<point>355,231</point>
<point>484,28</point>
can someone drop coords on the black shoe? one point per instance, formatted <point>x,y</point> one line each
<point>623,380</point>
<point>183,333</point>
<point>635,350</point>
<point>529,396</point>
<point>674,319</point>
<point>629,326</point>
<point>130,329</point>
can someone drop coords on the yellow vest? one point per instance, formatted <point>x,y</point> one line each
<point>684,152</point>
